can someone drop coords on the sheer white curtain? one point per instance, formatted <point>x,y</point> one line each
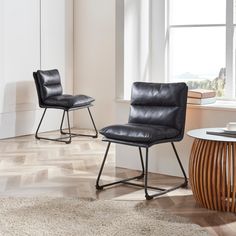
<point>136,43</point>
<point>144,42</point>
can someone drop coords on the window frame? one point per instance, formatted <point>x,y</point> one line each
<point>229,46</point>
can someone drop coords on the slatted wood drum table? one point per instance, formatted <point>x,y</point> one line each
<point>212,170</point>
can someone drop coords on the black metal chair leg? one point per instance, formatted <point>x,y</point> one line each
<point>148,197</point>
<point>123,181</point>
<point>181,166</point>
<point>94,126</point>
<point>62,121</point>
<point>36,134</point>
<point>68,134</point>
<point>50,139</point>
<point>68,120</point>
<point>101,169</point>
<point>164,191</point>
<point>142,164</point>
<point>76,134</point>
<point>144,174</point>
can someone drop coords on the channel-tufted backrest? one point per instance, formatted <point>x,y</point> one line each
<point>48,84</point>
<point>159,104</point>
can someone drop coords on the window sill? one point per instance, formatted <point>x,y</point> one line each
<point>219,105</point>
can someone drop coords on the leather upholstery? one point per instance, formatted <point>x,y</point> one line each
<point>158,104</point>
<point>132,132</point>
<point>157,112</point>
<point>69,101</point>
<point>50,92</point>
<point>49,83</point>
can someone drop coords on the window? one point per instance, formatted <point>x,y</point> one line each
<point>179,40</point>
<point>201,44</point>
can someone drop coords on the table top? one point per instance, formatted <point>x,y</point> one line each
<point>201,134</point>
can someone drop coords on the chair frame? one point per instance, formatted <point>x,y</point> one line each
<point>69,134</point>
<point>144,173</point>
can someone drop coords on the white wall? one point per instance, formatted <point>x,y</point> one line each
<point>57,39</point>
<point>162,159</point>
<point>34,34</point>
<point>94,59</point>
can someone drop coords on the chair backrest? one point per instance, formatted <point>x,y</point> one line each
<point>159,104</point>
<point>48,84</point>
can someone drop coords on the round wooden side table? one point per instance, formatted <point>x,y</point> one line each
<point>212,169</point>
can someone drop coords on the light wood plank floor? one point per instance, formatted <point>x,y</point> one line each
<point>29,167</point>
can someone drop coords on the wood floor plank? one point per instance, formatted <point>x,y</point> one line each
<point>30,167</point>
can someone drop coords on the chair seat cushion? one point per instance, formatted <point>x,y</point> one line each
<point>68,101</point>
<point>139,133</point>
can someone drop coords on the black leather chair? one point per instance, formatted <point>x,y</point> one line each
<point>50,95</point>
<point>157,115</point>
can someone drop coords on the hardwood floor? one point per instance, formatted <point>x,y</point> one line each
<point>29,167</point>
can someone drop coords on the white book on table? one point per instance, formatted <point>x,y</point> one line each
<point>201,93</point>
<point>201,101</point>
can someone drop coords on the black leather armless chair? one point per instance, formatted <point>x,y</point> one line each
<point>50,95</point>
<point>157,115</point>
